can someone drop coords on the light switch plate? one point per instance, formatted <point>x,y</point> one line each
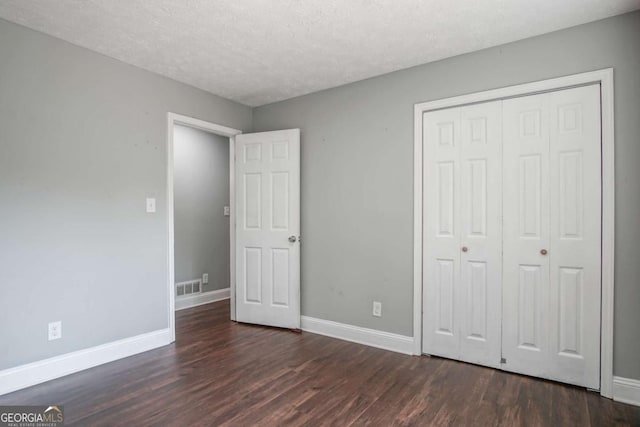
<point>151,205</point>
<point>227,211</point>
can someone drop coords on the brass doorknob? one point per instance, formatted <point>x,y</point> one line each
<point>543,251</point>
<point>465,249</point>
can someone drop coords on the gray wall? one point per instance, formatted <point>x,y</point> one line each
<point>201,191</point>
<point>82,143</point>
<point>357,172</point>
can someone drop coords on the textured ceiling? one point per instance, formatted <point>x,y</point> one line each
<point>261,51</point>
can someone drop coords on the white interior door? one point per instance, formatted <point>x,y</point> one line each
<point>552,236</point>
<point>267,182</point>
<point>462,233</point>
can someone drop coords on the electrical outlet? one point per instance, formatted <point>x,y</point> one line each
<point>205,278</point>
<point>55,330</point>
<point>151,205</point>
<point>227,211</point>
<point>377,308</point>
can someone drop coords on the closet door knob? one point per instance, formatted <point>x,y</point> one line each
<point>292,239</point>
<point>465,249</point>
<point>543,251</point>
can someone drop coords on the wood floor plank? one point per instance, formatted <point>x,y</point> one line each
<point>229,374</point>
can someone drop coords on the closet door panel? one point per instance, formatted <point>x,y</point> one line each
<point>575,250</point>
<point>462,233</point>
<point>481,233</point>
<point>441,233</point>
<point>552,236</point>
<point>525,343</point>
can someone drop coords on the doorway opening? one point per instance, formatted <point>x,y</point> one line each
<point>200,214</point>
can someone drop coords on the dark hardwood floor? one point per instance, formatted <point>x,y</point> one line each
<point>222,373</point>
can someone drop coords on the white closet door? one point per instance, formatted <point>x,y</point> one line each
<point>462,234</point>
<point>551,281</point>
<point>441,239</point>
<point>526,233</point>
<point>481,228</point>
<point>575,246</point>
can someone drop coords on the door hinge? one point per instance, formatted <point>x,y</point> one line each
<point>503,360</point>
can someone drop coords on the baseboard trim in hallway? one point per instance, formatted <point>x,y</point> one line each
<point>203,298</point>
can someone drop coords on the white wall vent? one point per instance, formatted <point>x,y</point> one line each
<point>189,287</point>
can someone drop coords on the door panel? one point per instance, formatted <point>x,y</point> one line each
<point>253,275</point>
<point>441,276</point>
<point>462,288</point>
<point>530,287</point>
<point>476,308</point>
<point>446,198</point>
<point>575,239</point>
<point>267,173</point>
<point>526,233</point>
<point>552,232</point>
<point>481,233</point>
<point>445,288</point>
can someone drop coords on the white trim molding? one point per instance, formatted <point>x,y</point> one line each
<point>202,298</point>
<point>359,335</point>
<point>177,119</point>
<point>626,390</point>
<point>605,79</point>
<point>23,376</point>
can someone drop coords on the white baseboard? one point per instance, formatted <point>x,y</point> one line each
<point>370,337</point>
<point>203,298</point>
<point>626,390</point>
<point>23,376</point>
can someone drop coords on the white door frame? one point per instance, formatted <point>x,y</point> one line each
<point>605,79</point>
<point>177,119</point>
